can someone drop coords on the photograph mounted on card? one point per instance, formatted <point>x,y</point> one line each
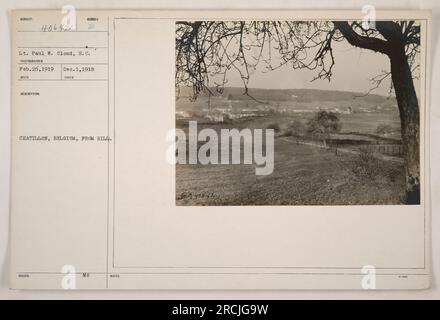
<point>220,149</point>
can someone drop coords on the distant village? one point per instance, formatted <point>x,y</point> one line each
<point>224,109</point>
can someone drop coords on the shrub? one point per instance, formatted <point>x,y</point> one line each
<point>296,128</point>
<point>365,165</point>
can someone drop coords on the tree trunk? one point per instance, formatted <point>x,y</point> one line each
<point>410,121</point>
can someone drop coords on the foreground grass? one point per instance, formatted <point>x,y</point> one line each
<point>303,175</point>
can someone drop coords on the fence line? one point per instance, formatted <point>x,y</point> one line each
<point>392,149</point>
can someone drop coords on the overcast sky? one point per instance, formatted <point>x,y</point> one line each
<point>353,69</point>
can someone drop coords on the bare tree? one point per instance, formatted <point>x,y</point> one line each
<point>207,50</point>
<point>323,124</point>
<point>296,128</point>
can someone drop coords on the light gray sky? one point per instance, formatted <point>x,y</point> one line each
<point>352,70</point>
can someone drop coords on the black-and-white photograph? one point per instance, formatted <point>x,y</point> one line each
<point>297,113</point>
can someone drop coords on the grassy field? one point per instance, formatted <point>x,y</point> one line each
<point>303,175</point>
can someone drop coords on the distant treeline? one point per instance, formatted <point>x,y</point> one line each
<point>300,95</point>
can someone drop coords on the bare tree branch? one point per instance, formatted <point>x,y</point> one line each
<point>375,44</point>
